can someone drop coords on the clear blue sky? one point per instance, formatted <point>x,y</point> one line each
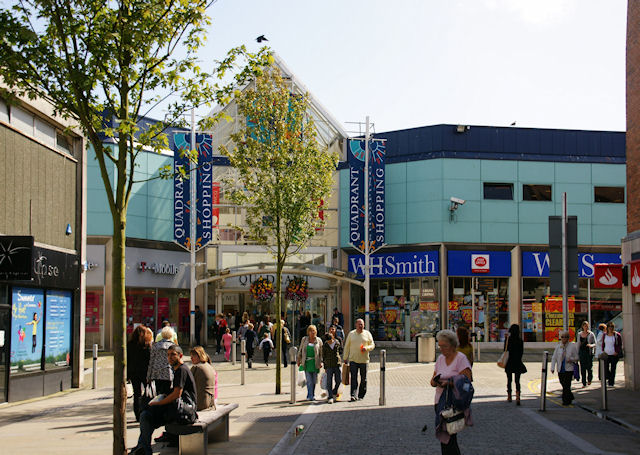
<point>541,63</point>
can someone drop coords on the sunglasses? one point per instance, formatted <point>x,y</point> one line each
<point>564,338</point>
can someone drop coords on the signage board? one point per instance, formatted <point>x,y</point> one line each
<point>536,264</point>
<point>607,276</point>
<point>397,265</point>
<point>15,257</point>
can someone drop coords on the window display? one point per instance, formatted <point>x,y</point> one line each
<point>26,329</point>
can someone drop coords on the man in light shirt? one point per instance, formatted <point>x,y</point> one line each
<point>356,354</point>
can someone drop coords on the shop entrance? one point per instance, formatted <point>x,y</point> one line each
<point>5,321</point>
<point>487,298</point>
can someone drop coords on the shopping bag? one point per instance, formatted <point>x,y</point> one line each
<point>346,375</point>
<point>323,381</point>
<point>148,394</point>
<point>302,379</point>
<point>504,358</point>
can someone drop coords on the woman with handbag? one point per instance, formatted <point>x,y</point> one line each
<point>449,364</point>
<point>514,367</point>
<point>586,343</point>
<point>612,347</point>
<point>310,359</point>
<point>564,357</point>
<point>138,348</point>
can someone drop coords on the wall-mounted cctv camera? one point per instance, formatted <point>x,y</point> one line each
<point>458,201</point>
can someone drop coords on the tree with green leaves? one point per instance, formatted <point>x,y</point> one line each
<point>108,63</point>
<point>284,174</point>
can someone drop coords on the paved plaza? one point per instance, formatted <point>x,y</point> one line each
<point>80,421</point>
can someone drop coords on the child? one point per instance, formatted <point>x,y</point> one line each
<point>266,345</point>
<point>226,341</point>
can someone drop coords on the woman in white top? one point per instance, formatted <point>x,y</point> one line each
<point>612,347</point>
<point>564,356</point>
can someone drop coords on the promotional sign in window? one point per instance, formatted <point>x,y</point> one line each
<point>57,351</point>
<point>26,329</point>
<point>553,318</point>
<point>607,276</point>
<point>634,272</point>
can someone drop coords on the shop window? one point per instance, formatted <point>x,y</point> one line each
<point>45,133</point>
<point>27,330</point>
<point>536,192</point>
<point>94,319</point>
<point>57,346</point>
<point>498,191</point>
<point>610,194</point>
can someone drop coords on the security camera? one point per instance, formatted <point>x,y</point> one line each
<point>458,201</point>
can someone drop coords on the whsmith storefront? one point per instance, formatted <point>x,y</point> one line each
<point>417,292</point>
<point>39,318</point>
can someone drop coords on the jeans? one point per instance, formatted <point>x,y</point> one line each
<point>311,377</point>
<point>517,375</point>
<point>137,385</point>
<point>362,368</point>
<point>610,368</point>
<point>150,419</point>
<point>333,373</point>
<point>565,380</point>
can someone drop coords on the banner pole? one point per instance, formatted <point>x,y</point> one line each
<point>192,240</point>
<point>367,246</point>
<point>565,301</point>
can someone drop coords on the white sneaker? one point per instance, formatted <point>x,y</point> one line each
<point>330,401</point>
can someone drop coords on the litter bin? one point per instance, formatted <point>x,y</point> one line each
<point>425,348</point>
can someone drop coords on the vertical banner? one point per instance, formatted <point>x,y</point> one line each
<point>376,196</point>
<point>215,200</point>
<point>57,351</point>
<point>204,191</point>
<point>27,307</point>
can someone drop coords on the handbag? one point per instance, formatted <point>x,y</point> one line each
<point>148,394</point>
<point>186,410</point>
<point>287,338</point>
<point>453,419</point>
<point>504,358</point>
<point>346,375</point>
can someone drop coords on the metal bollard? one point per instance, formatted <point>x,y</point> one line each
<point>383,367</point>
<point>243,357</point>
<point>95,366</point>
<point>293,359</point>
<point>543,382</point>
<point>602,364</point>
<point>233,347</point>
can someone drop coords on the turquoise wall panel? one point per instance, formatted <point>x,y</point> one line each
<point>423,170</point>
<point>534,232</point>
<point>396,234</point>
<point>498,211</point>
<point>534,211</point>
<point>499,171</point>
<point>535,172</point>
<point>396,172</point>
<point>461,232</point>
<point>580,193</point>
<point>609,214</point>
<point>395,213</point>
<point>470,212</point>
<point>395,193</point>
<point>608,175</point>
<point>469,190</point>
<point>460,169</point>
<point>573,172</point>
<point>499,232</point>
<point>159,229</point>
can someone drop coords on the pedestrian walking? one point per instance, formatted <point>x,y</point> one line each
<point>564,358</point>
<point>612,347</point>
<point>339,330</point>
<point>465,345</point>
<point>602,328</point>
<point>206,378</point>
<point>331,359</point>
<point>199,317</point>
<point>226,342</point>
<point>166,323</point>
<point>251,338</point>
<point>222,328</point>
<point>266,346</point>
<point>449,363</point>
<point>310,359</point>
<point>285,342</point>
<point>159,369</point>
<point>586,343</point>
<point>514,368</point>
<point>357,347</point>
<point>138,354</point>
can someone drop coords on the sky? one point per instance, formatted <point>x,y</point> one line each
<point>405,64</point>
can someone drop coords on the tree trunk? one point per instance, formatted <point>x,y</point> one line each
<point>278,330</point>
<point>119,341</point>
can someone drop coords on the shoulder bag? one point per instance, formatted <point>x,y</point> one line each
<point>504,358</point>
<point>453,419</point>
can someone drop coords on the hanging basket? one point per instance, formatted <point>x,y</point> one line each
<point>262,290</point>
<point>297,290</point>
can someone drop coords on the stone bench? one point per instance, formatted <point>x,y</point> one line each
<point>212,425</point>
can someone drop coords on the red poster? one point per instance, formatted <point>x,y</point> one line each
<point>634,275</point>
<point>147,307</point>
<point>92,321</point>
<point>553,318</point>
<point>215,201</point>
<point>607,276</point>
<point>183,314</point>
<point>163,308</point>
<point>453,305</point>
<point>429,306</point>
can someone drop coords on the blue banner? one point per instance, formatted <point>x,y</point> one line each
<point>204,191</point>
<point>498,263</point>
<point>536,264</point>
<point>27,306</point>
<point>57,333</point>
<point>398,265</point>
<point>356,158</point>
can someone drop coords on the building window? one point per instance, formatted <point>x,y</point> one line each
<point>611,194</point>
<point>64,144</point>
<point>536,192</point>
<point>4,111</point>
<point>500,191</point>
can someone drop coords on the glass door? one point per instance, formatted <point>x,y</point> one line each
<point>5,330</point>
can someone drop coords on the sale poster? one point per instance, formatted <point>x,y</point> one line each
<point>92,313</point>
<point>26,329</point>
<point>58,329</point>
<point>553,317</point>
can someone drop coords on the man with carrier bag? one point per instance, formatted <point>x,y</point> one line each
<point>178,406</point>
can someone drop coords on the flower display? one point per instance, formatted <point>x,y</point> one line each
<point>262,289</point>
<point>297,289</point>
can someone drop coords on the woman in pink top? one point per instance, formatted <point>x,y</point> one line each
<point>226,341</point>
<point>449,364</point>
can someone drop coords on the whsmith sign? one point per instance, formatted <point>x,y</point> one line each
<point>536,264</point>
<point>397,265</point>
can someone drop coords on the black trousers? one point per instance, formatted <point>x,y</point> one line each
<point>565,380</point>
<point>285,346</point>
<point>137,385</point>
<point>610,368</point>
<point>362,368</point>
<point>509,379</point>
<point>586,372</point>
<point>452,447</point>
